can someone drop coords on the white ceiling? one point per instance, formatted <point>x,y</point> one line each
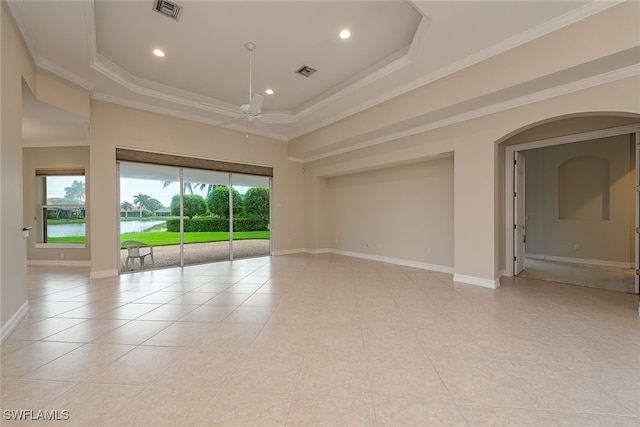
<point>396,46</point>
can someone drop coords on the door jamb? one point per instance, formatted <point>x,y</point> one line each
<point>509,156</point>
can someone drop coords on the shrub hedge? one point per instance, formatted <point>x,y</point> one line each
<point>217,224</point>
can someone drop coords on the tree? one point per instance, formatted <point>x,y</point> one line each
<point>194,205</point>
<point>218,202</point>
<point>141,200</point>
<point>189,186</point>
<point>256,202</point>
<point>153,204</point>
<point>126,207</point>
<point>75,191</point>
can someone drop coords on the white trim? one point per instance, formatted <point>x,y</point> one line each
<point>589,82</point>
<point>55,143</point>
<point>396,261</point>
<point>181,97</point>
<point>509,155</point>
<point>508,174</point>
<point>534,256</point>
<point>477,281</point>
<point>541,30</point>
<point>316,251</point>
<point>289,252</point>
<point>61,245</point>
<point>58,263</point>
<point>103,274</point>
<point>178,114</point>
<point>13,321</point>
<point>584,261</point>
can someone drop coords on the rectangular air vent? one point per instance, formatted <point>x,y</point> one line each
<point>167,8</point>
<point>305,71</point>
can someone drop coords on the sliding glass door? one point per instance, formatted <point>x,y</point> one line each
<point>149,226</point>
<point>206,227</point>
<point>172,216</point>
<point>251,216</point>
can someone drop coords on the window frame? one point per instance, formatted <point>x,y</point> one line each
<point>42,206</point>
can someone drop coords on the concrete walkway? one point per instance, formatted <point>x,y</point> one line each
<point>200,253</point>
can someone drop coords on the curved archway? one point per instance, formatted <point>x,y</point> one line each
<point>568,124</point>
<point>558,131</point>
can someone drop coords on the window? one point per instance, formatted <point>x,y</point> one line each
<point>61,200</point>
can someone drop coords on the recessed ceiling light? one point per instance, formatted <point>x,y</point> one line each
<point>158,52</point>
<point>269,91</point>
<point>345,34</point>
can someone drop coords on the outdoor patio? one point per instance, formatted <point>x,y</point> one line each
<point>199,253</point>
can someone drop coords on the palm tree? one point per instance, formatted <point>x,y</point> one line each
<point>126,207</point>
<point>189,186</point>
<point>141,200</point>
<point>75,191</point>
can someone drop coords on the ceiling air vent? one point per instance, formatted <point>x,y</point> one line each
<point>167,8</point>
<point>305,71</point>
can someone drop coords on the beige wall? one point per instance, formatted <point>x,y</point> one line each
<point>115,126</point>
<point>52,157</point>
<point>479,240</point>
<point>15,64</point>
<point>609,239</point>
<point>403,212</point>
<point>479,245</point>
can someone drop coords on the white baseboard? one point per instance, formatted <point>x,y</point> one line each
<point>103,274</point>
<point>289,252</point>
<point>477,281</point>
<point>396,261</point>
<point>13,321</point>
<point>317,251</point>
<point>58,263</point>
<point>597,262</point>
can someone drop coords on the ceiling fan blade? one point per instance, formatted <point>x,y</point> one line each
<point>261,125</point>
<point>228,122</point>
<point>255,104</point>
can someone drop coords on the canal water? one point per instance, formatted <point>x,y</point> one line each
<point>78,229</point>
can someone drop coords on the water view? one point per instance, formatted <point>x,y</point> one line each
<point>78,229</point>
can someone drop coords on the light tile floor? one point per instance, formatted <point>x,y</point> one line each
<point>320,340</point>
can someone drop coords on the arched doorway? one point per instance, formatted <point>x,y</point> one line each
<point>564,237</point>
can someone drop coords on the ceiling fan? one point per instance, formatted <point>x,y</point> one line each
<point>250,112</point>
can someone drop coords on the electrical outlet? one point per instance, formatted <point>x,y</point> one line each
<point>576,247</point>
<point>61,255</point>
<point>379,245</point>
<point>429,251</point>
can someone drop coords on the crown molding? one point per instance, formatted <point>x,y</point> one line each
<point>180,115</point>
<point>15,7</point>
<point>368,77</point>
<point>609,77</point>
<point>548,27</point>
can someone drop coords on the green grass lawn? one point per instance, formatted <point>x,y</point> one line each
<point>165,238</point>
<point>173,238</point>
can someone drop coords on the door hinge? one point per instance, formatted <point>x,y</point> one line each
<point>515,194</point>
<point>515,162</point>
<point>515,227</point>
<point>515,258</point>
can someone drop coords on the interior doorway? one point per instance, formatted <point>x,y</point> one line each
<point>570,261</point>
